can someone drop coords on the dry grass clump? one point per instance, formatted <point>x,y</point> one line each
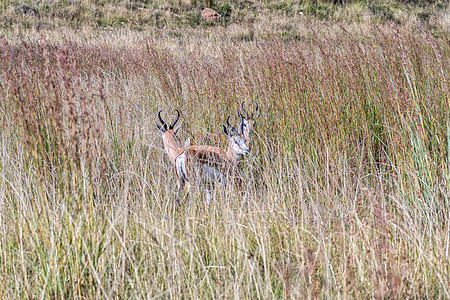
<point>346,189</point>
<point>55,110</point>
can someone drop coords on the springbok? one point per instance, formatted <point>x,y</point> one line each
<point>208,164</point>
<point>248,120</point>
<point>204,164</point>
<point>168,135</point>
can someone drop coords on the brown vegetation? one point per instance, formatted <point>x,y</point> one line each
<point>211,15</point>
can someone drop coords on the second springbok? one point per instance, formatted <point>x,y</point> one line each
<point>248,120</point>
<point>204,164</point>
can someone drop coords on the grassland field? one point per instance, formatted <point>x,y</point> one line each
<point>344,195</point>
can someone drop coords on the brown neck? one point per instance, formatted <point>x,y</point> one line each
<point>170,145</point>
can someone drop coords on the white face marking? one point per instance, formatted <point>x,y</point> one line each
<point>248,124</point>
<point>239,145</point>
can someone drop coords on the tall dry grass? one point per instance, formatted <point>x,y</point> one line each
<point>346,192</point>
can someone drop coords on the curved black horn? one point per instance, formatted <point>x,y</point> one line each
<point>232,128</point>
<point>176,120</point>
<point>239,114</point>
<point>243,110</point>
<point>257,111</point>
<point>161,120</point>
<point>225,130</point>
<point>228,122</point>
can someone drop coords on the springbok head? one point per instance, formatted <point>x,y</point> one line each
<point>236,138</point>
<point>168,135</point>
<point>247,119</point>
<point>163,128</point>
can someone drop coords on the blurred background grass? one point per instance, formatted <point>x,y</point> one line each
<point>261,17</point>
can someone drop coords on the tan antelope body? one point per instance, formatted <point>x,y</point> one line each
<point>203,164</point>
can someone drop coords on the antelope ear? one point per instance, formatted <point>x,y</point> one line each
<point>225,130</point>
<point>159,127</point>
<point>232,128</point>
<point>177,127</point>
